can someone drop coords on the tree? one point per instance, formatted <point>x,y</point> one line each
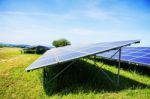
<point>61,42</point>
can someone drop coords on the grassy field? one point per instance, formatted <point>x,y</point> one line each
<point>85,80</point>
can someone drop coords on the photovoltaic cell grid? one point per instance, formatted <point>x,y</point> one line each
<point>138,55</point>
<point>67,53</point>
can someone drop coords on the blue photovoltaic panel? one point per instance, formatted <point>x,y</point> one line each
<point>126,57</point>
<point>147,56</point>
<point>138,55</point>
<point>65,57</point>
<point>142,60</point>
<point>42,62</point>
<point>146,51</point>
<point>68,53</point>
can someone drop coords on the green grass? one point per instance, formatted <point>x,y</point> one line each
<point>82,80</point>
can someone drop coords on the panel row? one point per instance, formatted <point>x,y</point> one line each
<point>139,55</point>
<point>68,53</point>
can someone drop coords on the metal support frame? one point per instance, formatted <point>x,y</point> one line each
<point>44,74</point>
<point>103,70</point>
<point>96,65</point>
<point>63,70</point>
<point>118,74</point>
<point>118,77</point>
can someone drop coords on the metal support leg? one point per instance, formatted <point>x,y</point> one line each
<point>118,66</point>
<point>94,59</point>
<point>118,76</point>
<point>44,75</point>
<point>62,71</point>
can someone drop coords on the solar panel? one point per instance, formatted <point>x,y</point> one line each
<point>67,53</point>
<point>141,60</point>
<point>138,55</point>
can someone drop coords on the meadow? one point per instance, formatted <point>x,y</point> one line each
<point>82,80</point>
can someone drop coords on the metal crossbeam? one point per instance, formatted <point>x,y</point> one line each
<point>118,74</point>
<point>106,74</point>
<point>63,70</point>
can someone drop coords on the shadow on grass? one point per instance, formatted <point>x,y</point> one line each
<point>84,77</point>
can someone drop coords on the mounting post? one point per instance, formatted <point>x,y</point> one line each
<point>119,60</point>
<point>95,59</point>
<point>118,76</point>
<point>44,74</point>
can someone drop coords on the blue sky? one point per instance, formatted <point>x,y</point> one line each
<point>80,21</point>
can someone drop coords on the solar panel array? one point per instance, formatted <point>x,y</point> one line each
<point>138,55</point>
<point>67,53</point>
